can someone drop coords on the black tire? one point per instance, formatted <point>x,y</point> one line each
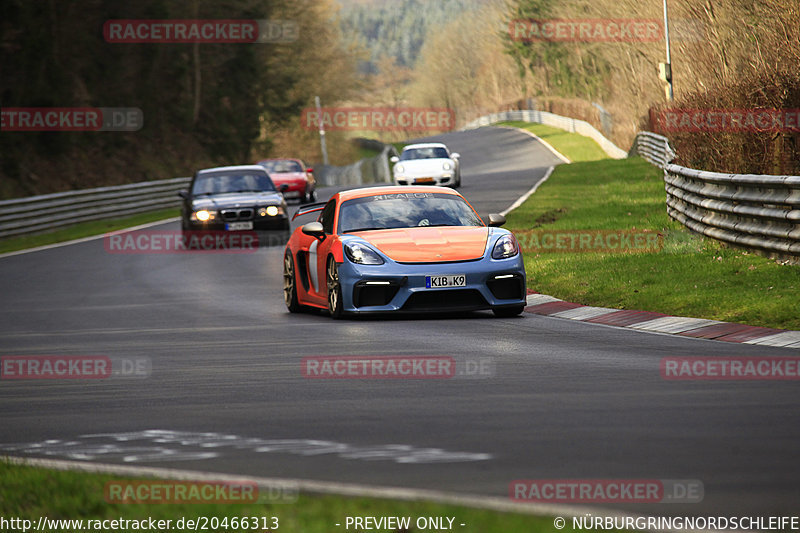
<point>507,312</point>
<point>290,284</point>
<point>334,289</point>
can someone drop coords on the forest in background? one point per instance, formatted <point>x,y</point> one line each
<point>203,104</point>
<point>217,104</point>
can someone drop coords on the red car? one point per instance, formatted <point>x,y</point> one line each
<point>295,174</point>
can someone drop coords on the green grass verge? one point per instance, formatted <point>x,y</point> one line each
<point>83,229</point>
<point>575,147</point>
<point>27,492</point>
<point>691,276</point>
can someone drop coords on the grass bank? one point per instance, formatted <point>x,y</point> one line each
<point>30,493</point>
<point>575,147</point>
<point>689,276</point>
<point>84,229</point>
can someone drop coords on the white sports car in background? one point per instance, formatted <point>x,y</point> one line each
<point>427,164</point>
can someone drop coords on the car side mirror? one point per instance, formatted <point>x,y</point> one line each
<point>283,187</point>
<point>394,159</point>
<point>184,194</point>
<point>496,220</point>
<point>455,155</point>
<point>309,170</point>
<point>314,229</point>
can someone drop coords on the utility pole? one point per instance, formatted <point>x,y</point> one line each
<point>321,132</point>
<point>665,69</point>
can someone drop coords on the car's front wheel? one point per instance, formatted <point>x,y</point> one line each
<point>290,284</point>
<point>506,312</point>
<point>334,289</point>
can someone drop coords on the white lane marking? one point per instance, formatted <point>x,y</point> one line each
<point>527,195</point>
<point>87,239</point>
<point>546,144</point>
<point>166,445</point>
<point>491,503</point>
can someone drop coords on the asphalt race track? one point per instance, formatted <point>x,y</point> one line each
<point>563,399</point>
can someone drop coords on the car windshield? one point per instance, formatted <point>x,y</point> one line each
<point>229,182</point>
<point>405,210</point>
<point>431,152</point>
<point>283,166</point>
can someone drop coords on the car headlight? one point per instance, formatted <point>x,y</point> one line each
<point>204,215</point>
<point>447,166</point>
<point>362,255</point>
<point>270,211</point>
<point>505,247</point>
<point>399,168</point>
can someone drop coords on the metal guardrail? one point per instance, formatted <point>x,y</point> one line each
<point>652,147</point>
<point>753,211</point>
<point>34,214</point>
<point>369,170</point>
<point>557,121</point>
<point>37,213</point>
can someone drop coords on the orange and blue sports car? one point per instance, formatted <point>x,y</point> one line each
<point>402,249</point>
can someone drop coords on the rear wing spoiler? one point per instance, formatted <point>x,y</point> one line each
<point>309,208</point>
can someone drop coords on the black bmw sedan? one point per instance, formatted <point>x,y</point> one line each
<point>236,198</point>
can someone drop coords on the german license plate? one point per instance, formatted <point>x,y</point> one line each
<point>437,282</point>
<point>424,180</point>
<point>239,226</point>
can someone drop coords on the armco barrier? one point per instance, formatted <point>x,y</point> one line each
<point>757,212</point>
<point>557,121</point>
<point>370,170</point>
<point>748,210</point>
<point>37,213</point>
<point>33,214</point>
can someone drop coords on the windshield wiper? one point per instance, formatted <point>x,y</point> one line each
<point>362,229</point>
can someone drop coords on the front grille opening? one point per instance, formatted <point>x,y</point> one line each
<point>367,294</point>
<point>507,288</point>
<point>446,300</point>
<point>232,215</point>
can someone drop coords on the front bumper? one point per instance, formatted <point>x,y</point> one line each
<point>441,179</point>
<point>279,222</point>
<point>401,287</point>
<point>297,189</point>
